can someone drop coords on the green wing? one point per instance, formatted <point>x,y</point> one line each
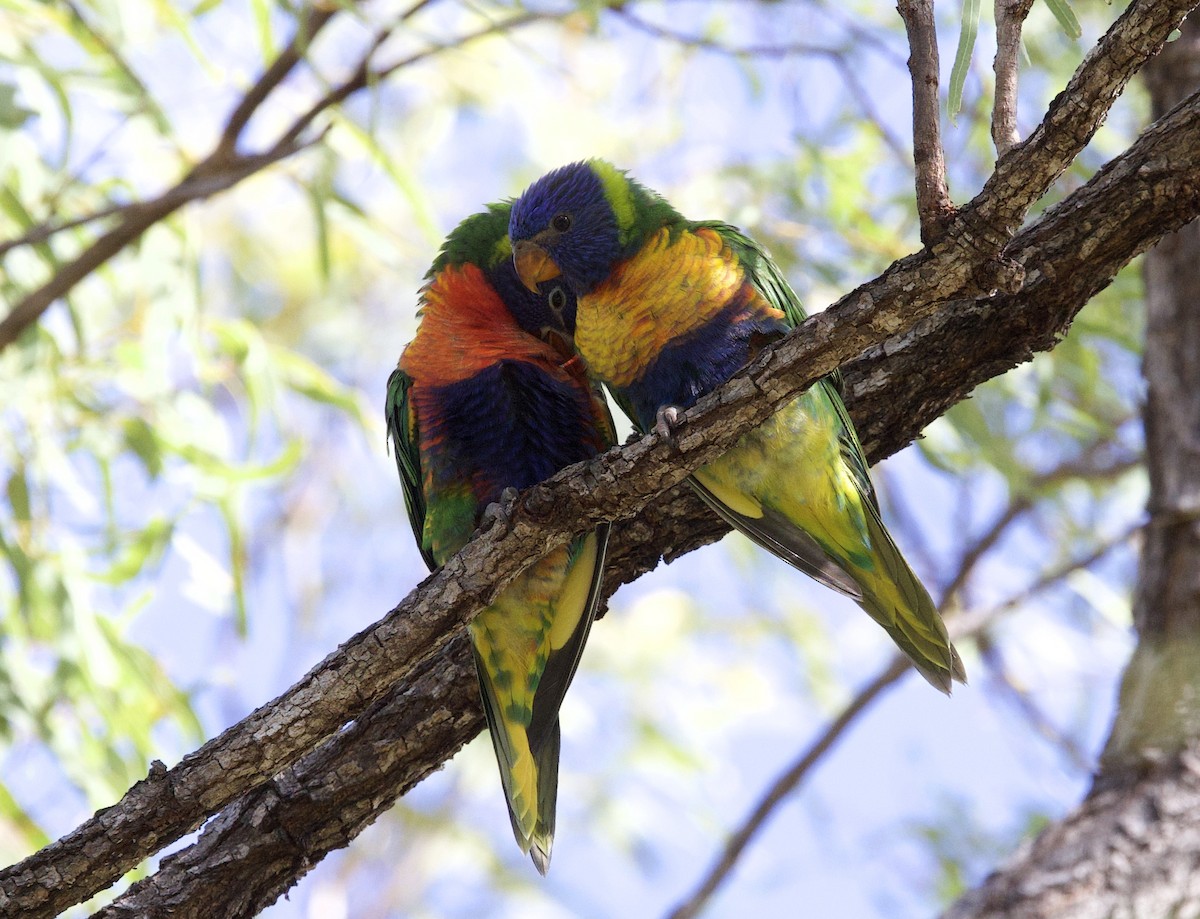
<point>405,438</point>
<point>770,282</point>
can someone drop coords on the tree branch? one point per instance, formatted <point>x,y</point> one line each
<point>783,786</point>
<point>261,845</point>
<point>1128,850</point>
<point>1010,16</point>
<point>933,198</point>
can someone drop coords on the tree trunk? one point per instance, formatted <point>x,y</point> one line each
<point>1132,848</point>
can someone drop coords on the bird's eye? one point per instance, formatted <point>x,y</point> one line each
<point>558,300</point>
<point>561,222</point>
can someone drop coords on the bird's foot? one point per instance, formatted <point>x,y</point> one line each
<point>499,513</point>
<point>665,421</point>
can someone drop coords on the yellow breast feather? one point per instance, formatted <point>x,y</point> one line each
<point>670,287</point>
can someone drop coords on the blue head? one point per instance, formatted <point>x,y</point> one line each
<point>573,222</point>
<point>547,313</point>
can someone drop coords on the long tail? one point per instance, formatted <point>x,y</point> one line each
<point>527,647</point>
<point>529,776</point>
<point>898,601</point>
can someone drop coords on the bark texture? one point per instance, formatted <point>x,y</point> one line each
<point>1128,852</point>
<point>1132,849</point>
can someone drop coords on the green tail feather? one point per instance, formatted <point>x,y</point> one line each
<point>895,598</point>
<point>532,822</point>
<point>534,739</point>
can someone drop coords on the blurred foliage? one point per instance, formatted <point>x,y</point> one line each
<point>197,505</point>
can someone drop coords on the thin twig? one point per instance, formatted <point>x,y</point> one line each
<point>313,21</point>
<point>135,220</point>
<point>837,55</point>
<point>1037,719</point>
<point>711,44</point>
<point>933,198</point>
<point>1015,509</point>
<point>1081,468</point>
<point>861,36</point>
<point>1010,16</point>
<point>862,97</point>
<point>783,786</point>
<point>44,231</point>
<point>1048,579</point>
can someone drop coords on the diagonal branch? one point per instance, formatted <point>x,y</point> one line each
<point>1147,192</point>
<point>783,786</point>
<point>312,21</point>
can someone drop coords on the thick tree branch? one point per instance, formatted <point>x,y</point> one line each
<point>261,845</point>
<point>1127,851</point>
<point>172,802</point>
<point>934,207</point>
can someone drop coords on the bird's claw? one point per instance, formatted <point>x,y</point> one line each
<point>665,420</point>
<point>499,513</point>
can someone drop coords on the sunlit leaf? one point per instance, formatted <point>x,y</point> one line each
<point>968,30</point>
<point>1066,17</point>
<point>12,114</point>
<point>146,547</point>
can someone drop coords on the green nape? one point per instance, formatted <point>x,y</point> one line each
<point>639,210</point>
<point>481,239</point>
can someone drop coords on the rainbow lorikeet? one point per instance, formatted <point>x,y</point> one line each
<point>484,399</point>
<point>668,309</point>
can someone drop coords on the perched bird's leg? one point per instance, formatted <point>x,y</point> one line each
<point>499,513</point>
<point>665,420</point>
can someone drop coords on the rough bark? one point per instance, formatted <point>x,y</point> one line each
<point>1132,849</point>
<point>934,207</point>
<point>1128,852</point>
<point>968,261</point>
<point>1160,698</point>
<point>262,844</point>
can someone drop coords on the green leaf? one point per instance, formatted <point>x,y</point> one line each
<point>141,439</point>
<point>12,115</point>
<point>146,546</point>
<point>18,817</point>
<point>1066,17</point>
<point>18,494</point>
<point>238,559</point>
<point>262,23</point>
<point>316,383</point>
<point>203,7</point>
<point>962,56</point>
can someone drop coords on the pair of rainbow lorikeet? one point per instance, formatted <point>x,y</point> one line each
<point>491,394</point>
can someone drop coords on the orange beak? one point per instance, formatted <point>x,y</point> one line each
<point>533,263</point>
